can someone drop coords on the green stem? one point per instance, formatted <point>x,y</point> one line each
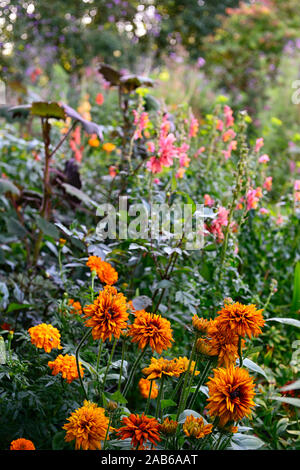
<point>109,363</point>
<point>149,398</point>
<point>184,392</point>
<point>88,332</point>
<point>159,398</point>
<point>138,359</point>
<point>200,383</point>
<point>122,362</point>
<point>107,430</point>
<point>240,351</point>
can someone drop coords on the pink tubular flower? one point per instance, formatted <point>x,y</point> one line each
<point>263,211</point>
<point>141,122</point>
<point>194,127</point>
<point>150,147</point>
<point>199,151</point>
<point>253,197</point>
<point>264,158</point>
<point>228,135</point>
<point>268,183</point>
<point>180,173</point>
<point>208,201</point>
<point>279,220</point>
<point>229,119</point>
<point>297,185</point>
<point>220,125</point>
<point>259,144</point>
<point>167,150</point>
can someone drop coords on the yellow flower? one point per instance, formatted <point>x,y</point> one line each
<point>107,315</point>
<point>108,147</point>
<point>183,362</point>
<point>87,426</point>
<point>66,365</point>
<point>231,393</point>
<point>195,427</point>
<point>45,337</point>
<point>75,307</point>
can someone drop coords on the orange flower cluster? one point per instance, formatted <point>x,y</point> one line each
<point>76,307</point>
<point>195,427</point>
<point>87,426</point>
<point>22,444</point>
<point>45,337</point>
<point>153,330</point>
<point>66,365</point>
<point>220,337</point>
<point>105,272</point>
<point>144,388</point>
<point>231,392</point>
<point>107,315</point>
<point>140,429</point>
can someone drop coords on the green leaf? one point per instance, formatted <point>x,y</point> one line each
<point>286,321</point>
<point>48,110</point>
<point>14,227</point>
<point>254,367</point>
<point>79,194</point>
<point>47,228</point>
<point>166,403</point>
<point>290,401</point>
<point>296,290</point>
<point>118,397</point>
<point>244,442</point>
<point>6,186</point>
<point>13,306</point>
<point>293,386</point>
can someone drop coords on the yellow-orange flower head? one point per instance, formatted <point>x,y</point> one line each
<point>183,362</point>
<point>66,366</point>
<point>75,307</point>
<point>144,388</point>
<point>169,427</point>
<point>162,366</point>
<point>151,329</point>
<point>140,429</point>
<point>218,343</point>
<point>87,426</point>
<point>107,315</point>
<point>243,320</point>
<point>231,393</point>
<point>200,324</point>
<point>105,272</point>
<point>195,427</point>
<point>45,336</point>
<point>22,444</point>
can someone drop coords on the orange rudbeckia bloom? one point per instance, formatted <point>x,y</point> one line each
<point>140,429</point>
<point>87,426</point>
<point>151,329</point>
<point>243,320</point>
<point>195,427</point>
<point>161,366</point>
<point>231,393</point>
<point>144,388</point>
<point>107,315</point>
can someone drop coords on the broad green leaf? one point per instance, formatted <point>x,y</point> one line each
<point>286,321</point>
<point>118,397</point>
<point>6,186</point>
<point>47,227</point>
<point>13,306</point>
<point>79,194</point>
<point>244,442</point>
<point>290,401</point>
<point>293,386</point>
<point>254,367</point>
<point>48,110</point>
